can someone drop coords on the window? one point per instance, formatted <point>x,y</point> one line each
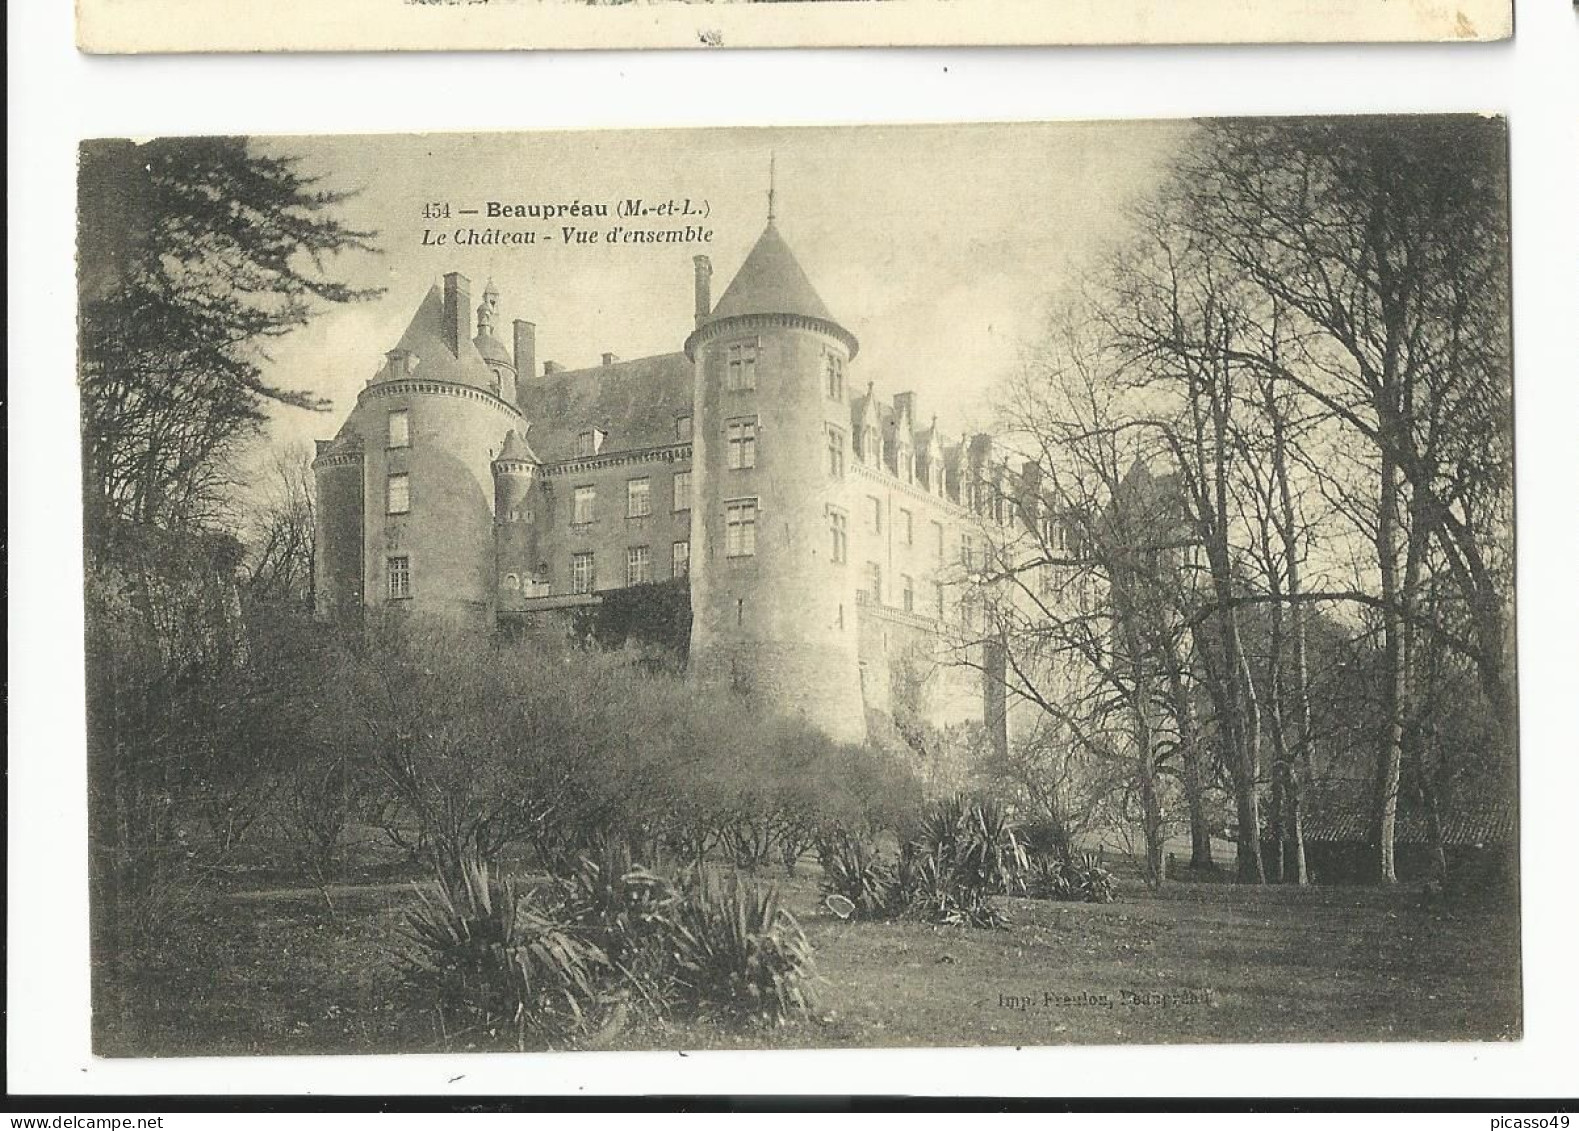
<point>399,571</point>
<point>681,559</point>
<point>874,513</point>
<point>907,526</point>
<point>967,551</point>
<point>833,368</point>
<point>400,429</point>
<point>869,446</point>
<point>742,435</point>
<point>682,490</point>
<point>740,528</point>
<point>937,538</point>
<point>839,532</point>
<point>585,505</point>
<point>907,588</point>
<point>638,498</point>
<point>583,573</point>
<point>586,444</point>
<point>742,373</point>
<point>874,582</point>
<point>638,565</point>
<point>937,596</point>
<point>835,452</point>
<point>399,493</point>
<point>682,429</point>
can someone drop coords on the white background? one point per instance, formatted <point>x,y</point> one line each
<point>58,97</point>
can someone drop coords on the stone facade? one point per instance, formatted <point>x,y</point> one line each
<point>832,540</point>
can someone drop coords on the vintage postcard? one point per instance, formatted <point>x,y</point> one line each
<point>698,589</point>
<point>122,26</point>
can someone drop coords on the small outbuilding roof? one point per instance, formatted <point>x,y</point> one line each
<point>1346,817</point>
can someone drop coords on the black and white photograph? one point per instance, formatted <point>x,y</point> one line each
<point>882,586</point>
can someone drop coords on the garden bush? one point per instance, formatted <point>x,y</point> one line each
<point>853,870</point>
<point>740,955</point>
<point>605,943</point>
<point>1083,880</point>
<point>964,852</point>
<point>628,911</point>
<point>501,963</point>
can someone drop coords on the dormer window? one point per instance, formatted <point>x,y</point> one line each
<point>871,450</point>
<point>682,429</point>
<point>590,443</point>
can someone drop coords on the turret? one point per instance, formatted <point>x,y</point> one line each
<point>339,533</point>
<point>499,359</point>
<point>515,519</point>
<point>406,512</point>
<point>772,594</point>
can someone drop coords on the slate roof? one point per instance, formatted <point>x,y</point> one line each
<point>1345,817</point>
<point>771,281</point>
<point>492,349</point>
<point>516,448</point>
<point>635,402</point>
<point>424,339</point>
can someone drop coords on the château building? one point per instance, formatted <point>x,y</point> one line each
<point>831,537</point>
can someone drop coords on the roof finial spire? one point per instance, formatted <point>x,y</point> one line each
<point>772,187</point>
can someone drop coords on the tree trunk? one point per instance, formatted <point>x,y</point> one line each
<point>1194,775</point>
<point>1389,761</point>
<point>1252,870</point>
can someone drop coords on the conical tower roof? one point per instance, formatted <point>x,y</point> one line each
<point>424,339</point>
<point>771,281</point>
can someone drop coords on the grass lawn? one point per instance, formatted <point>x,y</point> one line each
<point>275,972</point>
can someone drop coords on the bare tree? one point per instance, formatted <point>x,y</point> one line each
<point>1384,247</point>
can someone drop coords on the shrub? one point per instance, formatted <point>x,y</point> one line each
<point>501,961</point>
<point>1072,881</point>
<point>628,912</point>
<point>740,955</point>
<point>853,869</point>
<point>964,852</point>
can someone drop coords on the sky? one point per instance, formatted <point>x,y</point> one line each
<point>939,247</point>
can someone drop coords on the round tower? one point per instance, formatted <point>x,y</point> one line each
<point>773,604</point>
<point>338,530</point>
<point>515,521</point>
<point>427,425</point>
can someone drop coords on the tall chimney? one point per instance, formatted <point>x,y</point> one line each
<point>525,352</point>
<point>457,311</point>
<point>704,288</point>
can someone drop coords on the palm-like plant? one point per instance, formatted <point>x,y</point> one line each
<point>500,958</point>
<point>740,955</point>
<point>964,852</point>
